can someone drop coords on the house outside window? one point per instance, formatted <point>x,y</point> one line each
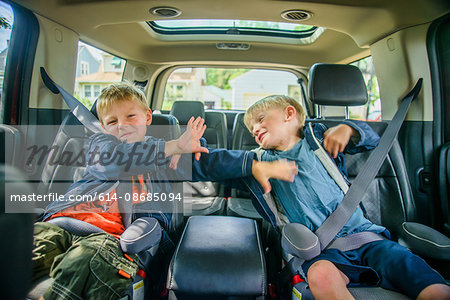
<point>96,70</point>
<point>228,88</point>
<point>84,68</point>
<point>87,91</point>
<point>97,89</point>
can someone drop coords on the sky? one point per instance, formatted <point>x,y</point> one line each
<point>6,12</point>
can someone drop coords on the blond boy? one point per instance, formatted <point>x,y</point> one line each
<point>277,123</point>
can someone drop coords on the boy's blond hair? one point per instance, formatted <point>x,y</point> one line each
<point>117,92</point>
<point>271,102</point>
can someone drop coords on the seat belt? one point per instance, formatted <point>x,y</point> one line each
<point>93,124</point>
<point>334,223</point>
<point>76,107</point>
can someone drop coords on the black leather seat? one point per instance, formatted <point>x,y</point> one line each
<point>240,204</point>
<point>203,198</point>
<point>218,258</point>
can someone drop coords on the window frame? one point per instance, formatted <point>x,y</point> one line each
<point>157,93</point>
<point>19,66</point>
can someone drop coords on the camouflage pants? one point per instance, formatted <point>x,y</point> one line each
<point>82,267</point>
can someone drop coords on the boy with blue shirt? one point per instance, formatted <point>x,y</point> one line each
<point>94,266</point>
<point>277,124</point>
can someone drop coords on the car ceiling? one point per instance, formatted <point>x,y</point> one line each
<point>352,26</point>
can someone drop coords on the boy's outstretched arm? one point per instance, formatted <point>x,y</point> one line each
<point>279,169</point>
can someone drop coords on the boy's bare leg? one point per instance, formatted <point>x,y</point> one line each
<point>326,281</point>
<point>435,292</point>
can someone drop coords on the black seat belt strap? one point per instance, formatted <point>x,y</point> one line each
<point>76,107</point>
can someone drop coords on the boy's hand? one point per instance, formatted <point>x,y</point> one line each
<point>280,169</point>
<point>336,138</point>
<point>189,141</point>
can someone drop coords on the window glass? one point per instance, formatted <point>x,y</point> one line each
<point>237,27</point>
<point>87,90</point>
<point>199,23</point>
<point>371,111</point>
<point>223,88</point>
<point>84,68</point>
<point>96,90</point>
<point>6,23</point>
<point>96,70</point>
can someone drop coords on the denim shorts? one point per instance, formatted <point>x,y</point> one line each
<point>382,263</point>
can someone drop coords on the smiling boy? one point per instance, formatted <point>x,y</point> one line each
<point>277,124</point>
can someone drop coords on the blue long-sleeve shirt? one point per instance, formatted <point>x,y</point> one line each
<point>314,195</point>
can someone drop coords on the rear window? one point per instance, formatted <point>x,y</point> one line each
<point>372,110</point>
<point>230,89</point>
<point>96,69</point>
<point>368,112</point>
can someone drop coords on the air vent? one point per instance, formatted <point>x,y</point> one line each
<point>165,12</point>
<point>296,15</point>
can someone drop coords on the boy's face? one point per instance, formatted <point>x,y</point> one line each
<point>271,128</point>
<point>126,120</point>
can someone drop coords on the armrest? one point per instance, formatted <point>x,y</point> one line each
<point>142,234</point>
<point>299,241</point>
<point>425,240</point>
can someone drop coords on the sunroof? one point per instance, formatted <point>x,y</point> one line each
<point>232,27</point>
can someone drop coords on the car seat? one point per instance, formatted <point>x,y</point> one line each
<point>203,198</point>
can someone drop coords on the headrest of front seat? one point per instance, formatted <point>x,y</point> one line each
<point>184,110</point>
<point>336,85</point>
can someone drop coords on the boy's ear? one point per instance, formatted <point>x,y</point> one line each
<point>290,113</point>
<point>149,117</point>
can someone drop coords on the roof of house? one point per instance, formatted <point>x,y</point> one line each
<point>101,76</point>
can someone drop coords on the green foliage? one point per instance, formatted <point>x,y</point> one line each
<point>225,104</point>
<point>258,24</point>
<point>4,23</point>
<point>367,68</point>
<point>85,101</point>
<point>221,77</point>
<point>167,104</point>
<point>302,27</point>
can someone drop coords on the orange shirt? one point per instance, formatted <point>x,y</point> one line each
<point>103,213</point>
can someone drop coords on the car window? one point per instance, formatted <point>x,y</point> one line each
<point>231,89</point>
<point>369,112</point>
<point>372,110</point>
<point>6,23</point>
<point>96,69</point>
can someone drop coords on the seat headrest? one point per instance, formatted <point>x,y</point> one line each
<point>336,85</point>
<point>184,110</point>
